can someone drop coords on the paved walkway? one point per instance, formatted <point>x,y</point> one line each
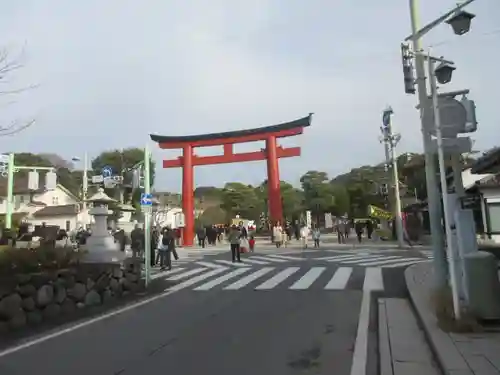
<point>402,346</point>
<point>457,354</point>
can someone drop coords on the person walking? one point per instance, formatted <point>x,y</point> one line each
<point>234,239</point>
<point>304,234</point>
<point>316,235</point>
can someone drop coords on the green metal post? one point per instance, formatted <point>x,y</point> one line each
<point>10,191</point>
<point>147,217</point>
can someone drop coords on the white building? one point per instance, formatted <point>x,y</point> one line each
<point>54,207</point>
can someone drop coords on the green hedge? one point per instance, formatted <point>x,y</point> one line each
<point>45,258</point>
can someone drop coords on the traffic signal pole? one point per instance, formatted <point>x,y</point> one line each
<point>433,199</point>
<point>147,217</point>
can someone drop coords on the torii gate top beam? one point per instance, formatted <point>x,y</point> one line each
<point>287,129</point>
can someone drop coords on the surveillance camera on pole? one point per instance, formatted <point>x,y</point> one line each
<point>460,22</point>
<point>408,70</point>
<point>444,73</point>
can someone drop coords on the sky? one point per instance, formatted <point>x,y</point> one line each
<point>109,73</point>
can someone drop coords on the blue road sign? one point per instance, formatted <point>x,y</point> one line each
<point>146,199</point>
<point>107,171</point>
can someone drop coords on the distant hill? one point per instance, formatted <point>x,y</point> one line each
<point>57,161</point>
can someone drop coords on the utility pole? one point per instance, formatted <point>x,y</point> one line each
<point>433,199</point>
<point>147,217</point>
<point>85,183</point>
<point>390,141</point>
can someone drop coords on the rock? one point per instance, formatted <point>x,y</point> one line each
<point>18,320</point>
<point>117,273</point>
<point>80,305</point>
<point>45,295</point>
<point>51,311</point>
<point>27,290</point>
<point>68,306</point>
<point>114,285</point>
<point>10,305</point>
<point>22,279</point>
<point>34,317</point>
<point>60,294</point>
<point>78,292</point>
<point>28,304</point>
<point>102,283</point>
<point>132,277</point>
<point>4,327</point>
<point>90,284</point>
<point>107,296</point>
<point>92,298</point>
<point>40,279</point>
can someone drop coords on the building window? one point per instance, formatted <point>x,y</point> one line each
<point>55,201</point>
<point>21,199</point>
<point>494,217</point>
<point>68,225</point>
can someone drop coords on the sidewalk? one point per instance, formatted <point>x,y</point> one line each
<point>456,354</point>
<point>402,346</point>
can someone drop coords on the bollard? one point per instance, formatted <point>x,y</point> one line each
<point>483,286</point>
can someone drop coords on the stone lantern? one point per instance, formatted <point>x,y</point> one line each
<point>101,246</point>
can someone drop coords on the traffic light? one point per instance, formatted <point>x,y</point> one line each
<point>470,109</point>
<point>408,71</point>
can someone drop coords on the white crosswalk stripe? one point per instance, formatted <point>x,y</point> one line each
<point>285,257</point>
<point>372,260</point>
<point>339,279</point>
<point>308,279</point>
<point>268,259</point>
<point>269,278</point>
<point>249,278</point>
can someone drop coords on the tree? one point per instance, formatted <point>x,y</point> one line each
<point>241,199</point>
<point>212,215</point>
<point>122,161</point>
<point>71,180</point>
<point>318,193</point>
<point>8,66</point>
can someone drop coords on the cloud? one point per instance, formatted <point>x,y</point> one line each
<point>112,72</point>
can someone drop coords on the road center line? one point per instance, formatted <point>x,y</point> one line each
<point>360,355</point>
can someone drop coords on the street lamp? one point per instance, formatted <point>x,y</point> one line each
<point>458,20</point>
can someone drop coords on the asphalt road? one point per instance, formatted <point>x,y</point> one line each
<point>218,331</point>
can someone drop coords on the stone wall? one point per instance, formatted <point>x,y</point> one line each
<point>30,299</point>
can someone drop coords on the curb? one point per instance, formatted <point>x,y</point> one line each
<point>449,359</point>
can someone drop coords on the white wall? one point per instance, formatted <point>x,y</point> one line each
<point>491,196</point>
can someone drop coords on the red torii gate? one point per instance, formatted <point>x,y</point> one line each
<point>271,153</point>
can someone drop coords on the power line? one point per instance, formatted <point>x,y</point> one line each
<point>474,37</point>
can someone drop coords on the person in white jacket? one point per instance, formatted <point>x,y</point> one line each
<point>304,234</point>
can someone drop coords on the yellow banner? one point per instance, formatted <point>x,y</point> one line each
<point>378,213</point>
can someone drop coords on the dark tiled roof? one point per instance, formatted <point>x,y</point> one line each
<point>488,163</point>
<point>300,123</point>
<point>64,210</point>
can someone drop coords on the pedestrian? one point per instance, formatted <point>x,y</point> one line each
<point>202,236</point>
<point>234,239</point>
<point>304,234</point>
<point>359,226</point>
<point>251,243</point>
<point>277,235</point>
<point>316,235</point>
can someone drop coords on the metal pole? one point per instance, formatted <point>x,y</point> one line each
<point>10,191</point>
<point>147,218</point>
<point>395,178</point>
<point>85,186</point>
<point>434,204</point>
<point>444,190</point>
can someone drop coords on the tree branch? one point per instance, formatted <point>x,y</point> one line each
<point>9,65</point>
